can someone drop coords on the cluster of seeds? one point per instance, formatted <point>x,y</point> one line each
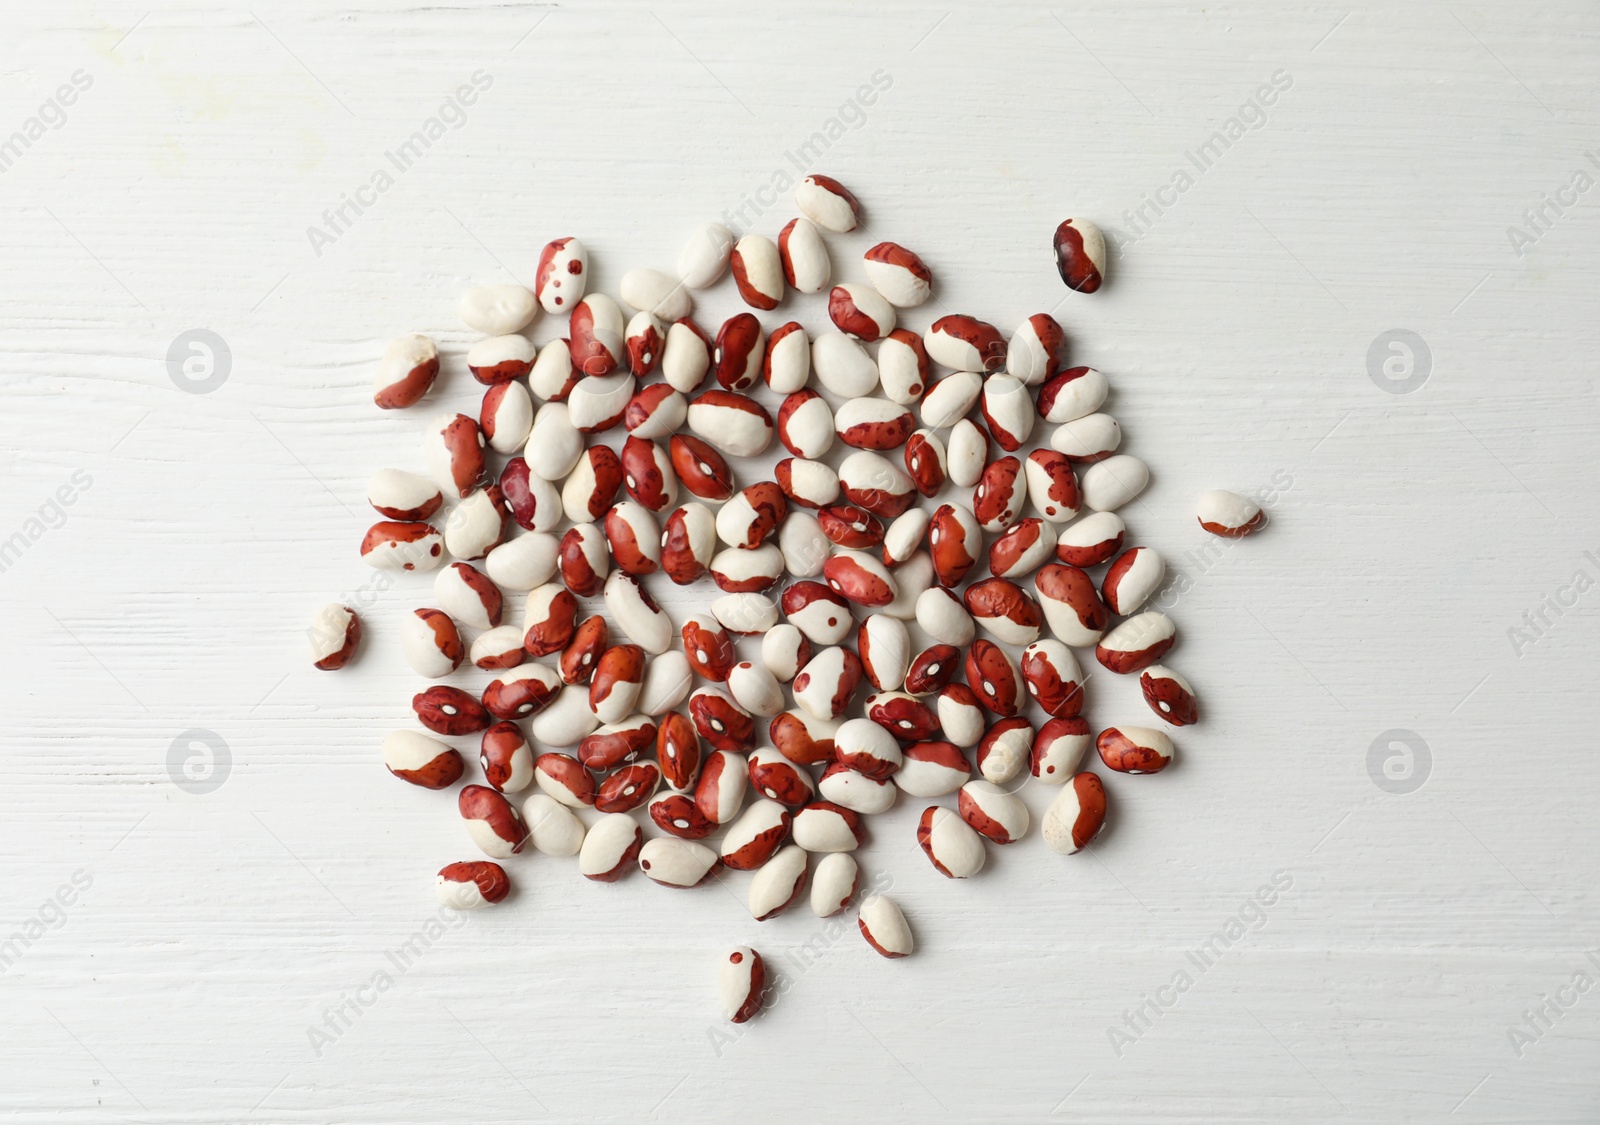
<point>836,573</point>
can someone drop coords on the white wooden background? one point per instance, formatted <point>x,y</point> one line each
<point>210,930</point>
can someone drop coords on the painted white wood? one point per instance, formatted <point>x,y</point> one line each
<point>1410,533</point>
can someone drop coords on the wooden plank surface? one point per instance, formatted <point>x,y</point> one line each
<point>206,935</point>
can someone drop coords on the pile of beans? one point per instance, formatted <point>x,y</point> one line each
<point>880,620</point>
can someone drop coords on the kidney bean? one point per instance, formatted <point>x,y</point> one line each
<point>775,777</point>
<point>777,883</point>
<point>966,344</point>
<point>686,357</point>
<point>745,614</point>
<point>549,617</point>
<point>755,689</point>
<point>1229,515</point>
<point>506,758</point>
<point>522,691</point>
<point>903,715</point>
<point>966,453</point>
<point>655,411</point>
<point>1052,676</point>
<point>599,403</point>
<point>884,926</point>
<point>449,710</point>
<point>932,769</point>
<point>993,813</point>
<point>618,678</point>
<point>867,748</point>
<point>784,651</point>
<point>828,203</point>
<point>1008,409</point>
<point>506,417</point>
<point>552,827</point>
<point>628,788</point>
<point>1058,748</point>
<point>758,272</point>
<point>721,721</point>
<point>932,668</point>
<point>567,721</point>
<point>688,543</point>
<point>677,815</point>
<point>431,644</point>
<point>1094,437</point>
<point>554,445</point>
<point>843,366</point>
<point>583,652</point>
<point>704,257</point>
<point>903,366</point>
<point>949,399</point>
<point>472,885</point>
<point>678,750</point>
<point>1032,354</point>
<point>597,335</point>
<point>804,256</point>
<point>787,363</point>
<point>737,354</point>
<point>898,274</point>
<point>610,848</point>
<point>1003,608</point>
<point>634,538</point>
<point>1134,749</point>
<point>645,339</point>
<point>1092,540</point>
<point>1081,255</point>
<point>1136,643</point>
<point>403,496</point>
<point>617,744</point>
<point>562,275</point>
<point>678,863</point>
<point>1074,393</point>
<point>700,468</point>
<point>994,678</point>
<point>823,826</point>
<point>1072,607</point>
<point>666,683</point>
<point>951,845</point>
<point>453,445</point>
<point>859,311</point>
<point>755,836</point>
<point>834,883</point>
<point>335,633</point>
<point>802,737</point>
<point>961,717</point>
<point>1169,695</point>
<point>636,613</point>
<point>944,617</point>
<point>1076,815</point>
<point>855,791</point>
<point>494,825</point>
<point>1004,748</point>
<point>421,760</point>
<point>409,366</point>
<point>563,777</point>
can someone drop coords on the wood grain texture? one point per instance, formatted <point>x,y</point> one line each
<point>1414,531</point>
